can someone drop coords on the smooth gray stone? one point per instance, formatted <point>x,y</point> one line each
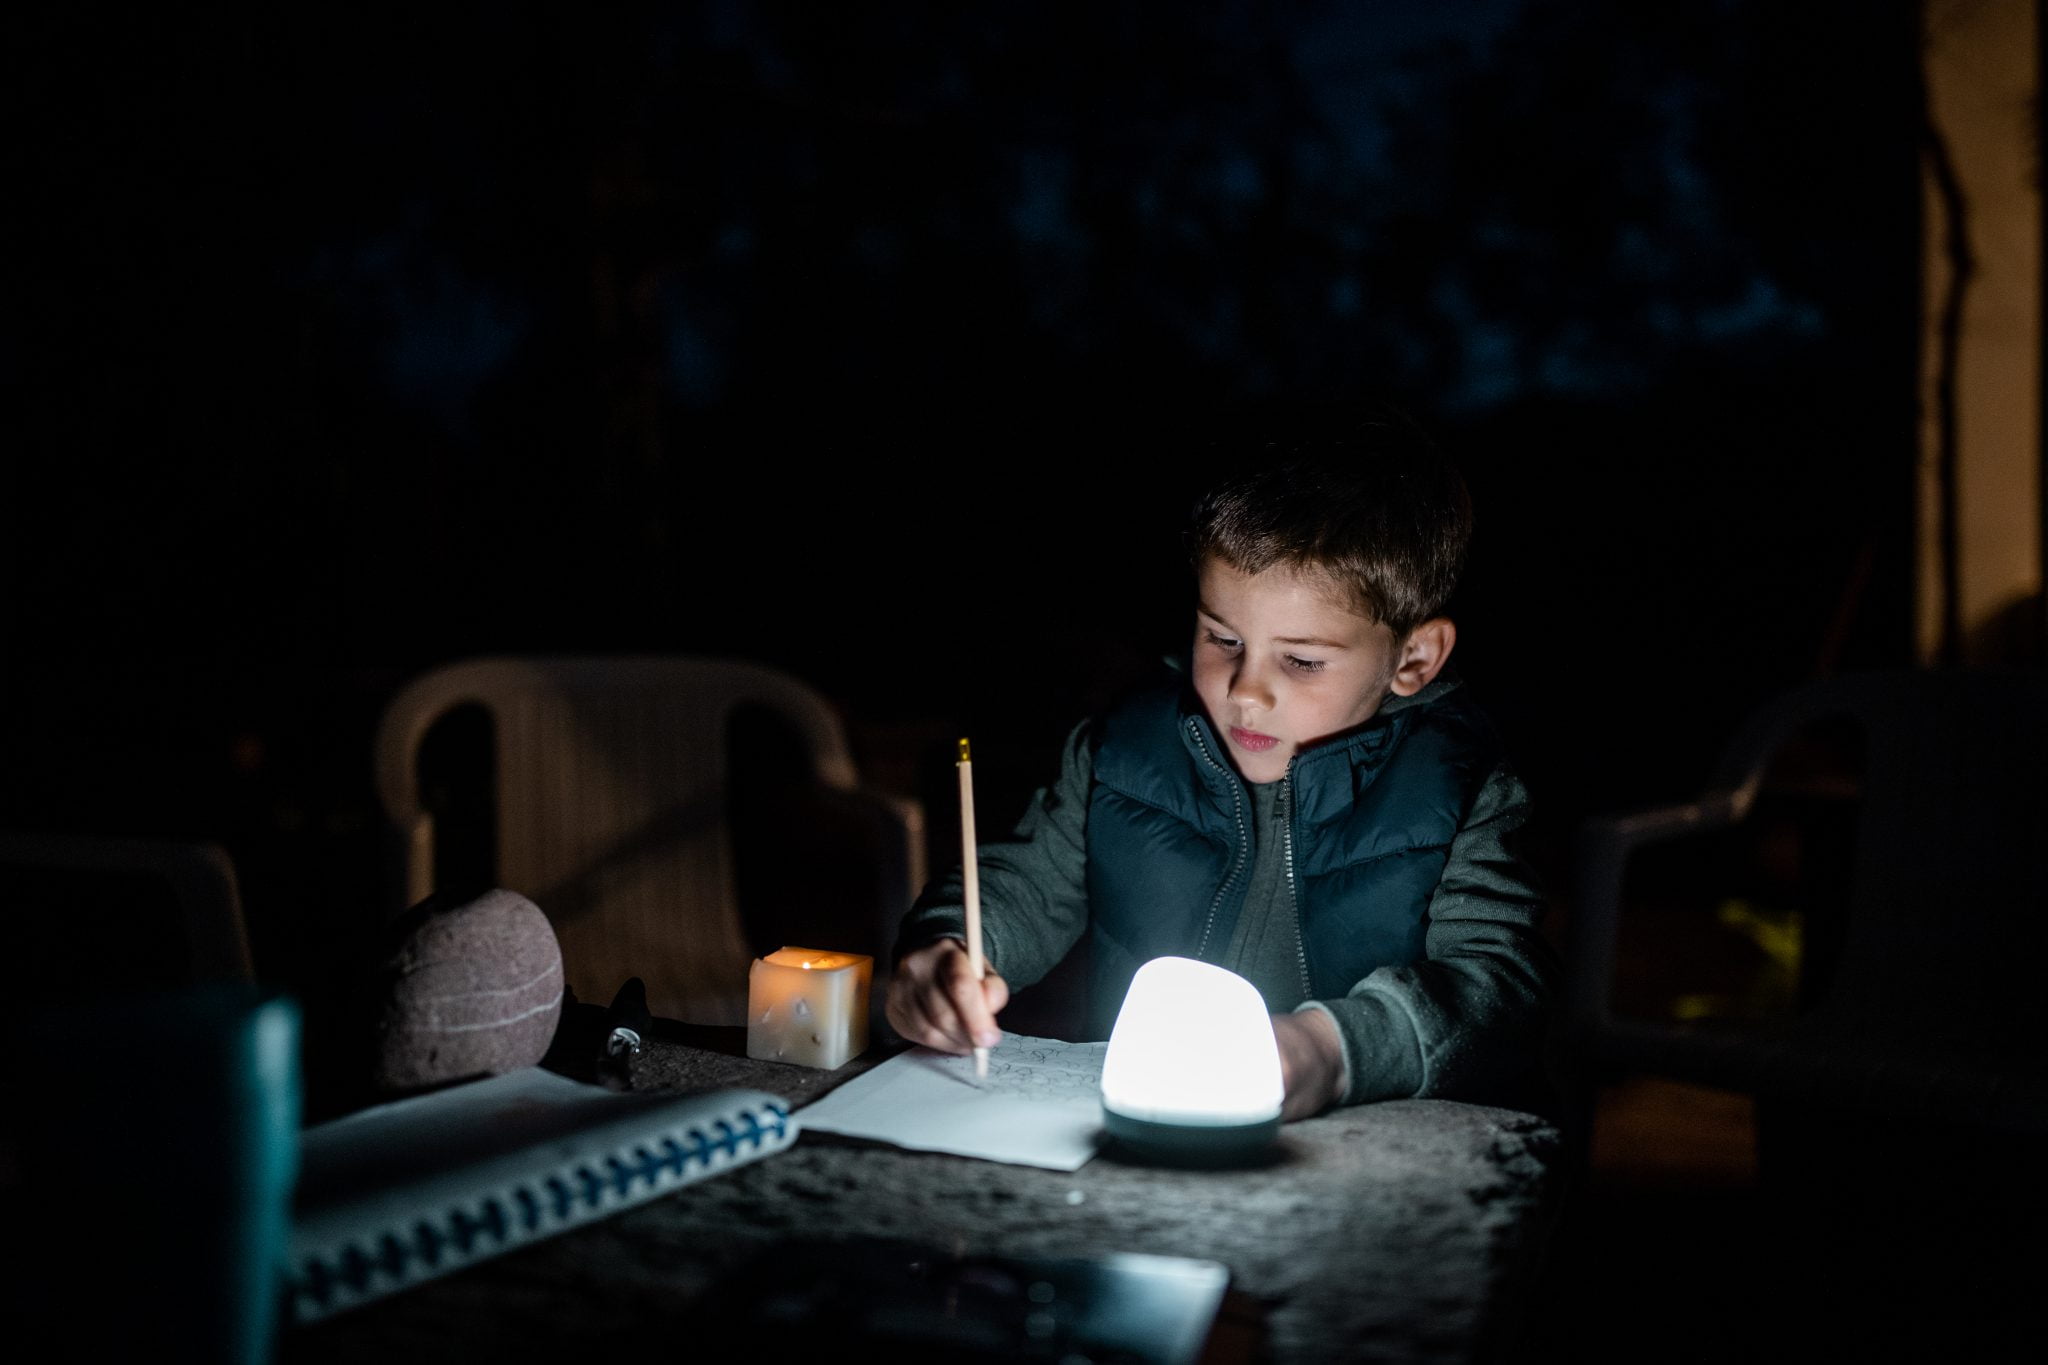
<point>472,989</point>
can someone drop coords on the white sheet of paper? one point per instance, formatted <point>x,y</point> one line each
<point>1041,1104</point>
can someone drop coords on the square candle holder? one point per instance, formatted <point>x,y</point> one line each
<point>808,1007</point>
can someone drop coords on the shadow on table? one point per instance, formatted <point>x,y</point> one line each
<point>908,1302</point>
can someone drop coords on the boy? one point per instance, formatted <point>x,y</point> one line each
<point>1316,804</point>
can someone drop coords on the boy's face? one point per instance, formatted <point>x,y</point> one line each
<point>1281,661</point>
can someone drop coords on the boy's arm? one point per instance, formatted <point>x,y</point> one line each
<point>1468,1022</point>
<point>1034,890</point>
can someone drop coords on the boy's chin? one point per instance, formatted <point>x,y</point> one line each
<point>1270,766</point>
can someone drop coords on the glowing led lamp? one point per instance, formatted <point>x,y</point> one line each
<point>1193,1069</point>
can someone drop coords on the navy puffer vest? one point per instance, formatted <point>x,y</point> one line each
<point>1170,838</point>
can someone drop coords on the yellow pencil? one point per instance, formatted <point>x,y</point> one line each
<point>970,880</point>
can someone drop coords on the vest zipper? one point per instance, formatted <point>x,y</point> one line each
<point>1293,892</point>
<point>1243,841</point>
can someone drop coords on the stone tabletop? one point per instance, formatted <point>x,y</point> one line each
<point>1402,1231</point>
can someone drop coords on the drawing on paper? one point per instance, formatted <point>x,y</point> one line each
<point>1040,1104</point>
<point>1038,1069</point>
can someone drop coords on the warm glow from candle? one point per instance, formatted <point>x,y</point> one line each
<point>807,1007</point>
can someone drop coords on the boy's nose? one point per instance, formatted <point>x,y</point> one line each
<point>1248,687</point>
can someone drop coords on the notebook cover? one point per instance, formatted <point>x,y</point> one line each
<point>410,1190</point>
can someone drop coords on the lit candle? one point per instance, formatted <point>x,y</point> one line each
<point>808,1007</point>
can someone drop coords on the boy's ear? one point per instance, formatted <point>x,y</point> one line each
<point>1423,655</point>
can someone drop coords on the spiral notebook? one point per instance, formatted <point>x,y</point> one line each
<point>420,1187</point>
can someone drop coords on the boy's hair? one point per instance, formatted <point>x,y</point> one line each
<point>1377,509</point>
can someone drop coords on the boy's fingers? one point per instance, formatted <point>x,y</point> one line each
<point>975,1005</point>
<point>902,1013</point>
<point>948,1029</point>
<point>971,1017</point>
<point>936,1002</point>
<point>995,993</point>
<point>927,1019</point>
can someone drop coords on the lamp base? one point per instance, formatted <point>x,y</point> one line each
<point>1189,1144</point>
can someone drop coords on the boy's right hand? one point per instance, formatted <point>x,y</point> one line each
<point>935,1000</point>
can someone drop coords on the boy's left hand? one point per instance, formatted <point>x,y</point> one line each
<point>1311,1063</point>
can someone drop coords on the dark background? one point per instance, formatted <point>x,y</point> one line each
<point>887,342</point>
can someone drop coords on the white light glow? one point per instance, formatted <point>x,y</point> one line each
<point>1193,1044</point>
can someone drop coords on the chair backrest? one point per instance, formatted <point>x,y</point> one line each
<point>611,786</point>
<point>1948,900</point>
<point>119,913</point>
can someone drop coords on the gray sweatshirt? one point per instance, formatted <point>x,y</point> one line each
<point>1466,1022</point>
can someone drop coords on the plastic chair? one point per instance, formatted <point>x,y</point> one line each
<point>1919,998</point>
<point>616,812</point>
<point>110,914</point>
<point>1899,1094</point>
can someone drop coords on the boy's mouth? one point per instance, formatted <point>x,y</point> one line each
<point>1251,740</point>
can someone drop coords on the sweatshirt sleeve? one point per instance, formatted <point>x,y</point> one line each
<point>1468,1021</point>
<point>1034,888</point>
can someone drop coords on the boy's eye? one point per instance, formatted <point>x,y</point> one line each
<point>1222,641</point>
<point>1300,665</point>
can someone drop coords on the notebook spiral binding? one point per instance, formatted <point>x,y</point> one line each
<point>503,1209</point>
